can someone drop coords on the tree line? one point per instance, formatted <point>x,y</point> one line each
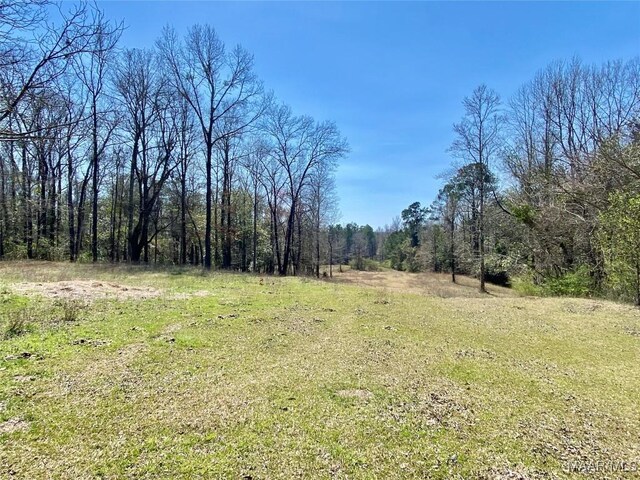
<point>543,190</point>
<point>176,153</point>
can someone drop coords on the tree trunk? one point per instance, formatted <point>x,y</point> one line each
<point>481,232</point>
<point>26,197</point>
<point>3,208</point>
<point>225,211</point>
<point>94,206</point>
<point>70,210</point>
<point>82,198</point>
<point>119,227</point>
<point>330,259</point>
<point>183,215</point>
<point>255,227</point>
<point>112,226</point>
<point>452,251</point>
<point>288,240</point>
<point>207,227</point>
<point>318,243</point>
<point>132,175</point>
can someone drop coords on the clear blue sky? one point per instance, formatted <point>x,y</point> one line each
<point>392,75</point>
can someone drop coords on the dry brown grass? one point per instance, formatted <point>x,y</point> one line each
<point>429,284</point>
<point>85,290</point>
<point>13,425</point>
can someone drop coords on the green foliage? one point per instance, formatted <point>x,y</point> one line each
<point>49,250</point>
<point>364,264</point>
<point>577,283</point>
<point>524,213</point>
<point>412,258</point>
<point>394,251</point>
<point>352,241</point>
<point>413,218</point>
<point>620,242</point>
<point>16,323</point>
<point>572,284</point>
<point>370,240</point>
<point>497,269</point>
<point>71,310</point>
<point>524,285</point>
<point>15,251</point>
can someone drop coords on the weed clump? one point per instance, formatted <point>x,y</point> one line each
<point>16,323</point>
<point>71,310</point>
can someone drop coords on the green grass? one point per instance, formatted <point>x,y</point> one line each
<point>240,376</point>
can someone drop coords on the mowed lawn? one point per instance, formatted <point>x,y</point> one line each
<point>116,372</point>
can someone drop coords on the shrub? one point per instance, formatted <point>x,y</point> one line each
<point>573,284</point>
<point>364,264</point>
<point>498,277</point>
<point>525,285</point>
<point>501,267</point>
<point>16,323</point>
<point>71,310</point>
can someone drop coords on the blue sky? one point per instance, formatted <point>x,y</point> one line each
<point>393,75</point>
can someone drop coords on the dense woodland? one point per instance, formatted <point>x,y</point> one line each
<point>179,154</point>
<point>544,188</point>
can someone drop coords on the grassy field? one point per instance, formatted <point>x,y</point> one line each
<point>116,372</point>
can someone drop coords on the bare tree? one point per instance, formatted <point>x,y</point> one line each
<point>215,83</point>
<point>300,146</point>
<point>31,63</point>
<point>91,69</point>
<point>323,206</point>
<point>477,141</point>
<point>185,129</point>
<point>254,165</point>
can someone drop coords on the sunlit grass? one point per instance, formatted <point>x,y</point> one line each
<point>232,376</point>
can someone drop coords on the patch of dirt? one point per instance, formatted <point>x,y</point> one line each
<point>13,425</point>
<point>86,290</point>
<point>355,393</point>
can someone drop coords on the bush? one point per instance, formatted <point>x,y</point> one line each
<point>525,285</point>
<point>500,278</point>
<point>500,267</point>
<point>573,284</point>
<point>364,264</point>
<point>71,310</point>
<point>16,324</point>
<point>620,282</point>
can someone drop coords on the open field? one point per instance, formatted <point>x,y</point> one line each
<point>430,284</point>
<point>117,372</point>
